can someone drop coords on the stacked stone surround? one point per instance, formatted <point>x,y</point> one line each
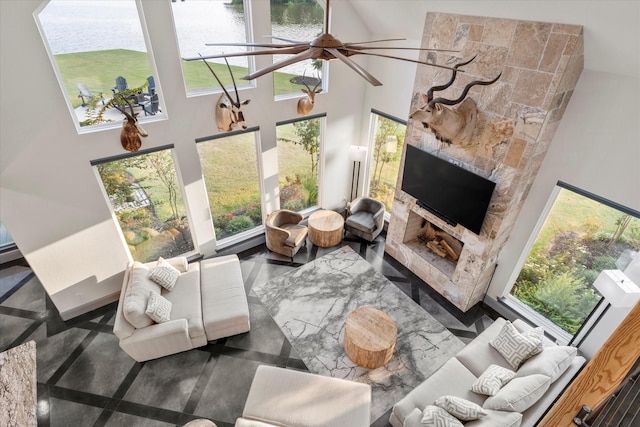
<point>517,117</point>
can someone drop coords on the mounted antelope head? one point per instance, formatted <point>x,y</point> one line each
<point>229,114</point>
<point>131,130</point>
<point>450,125</point>
<point>305,105</point>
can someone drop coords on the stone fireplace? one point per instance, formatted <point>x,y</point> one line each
<point>517,117</point>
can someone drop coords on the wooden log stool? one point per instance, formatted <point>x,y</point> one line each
<point>369,337</point>
<point>326,228</point>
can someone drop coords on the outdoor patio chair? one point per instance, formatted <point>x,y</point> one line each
<point>151,87</point>
<point>86,93</point>
<point>121,85</point>
<point>152,106</point>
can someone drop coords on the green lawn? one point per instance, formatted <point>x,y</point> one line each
<point>99,69</point>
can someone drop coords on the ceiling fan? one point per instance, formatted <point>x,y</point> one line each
<point>325,47</point>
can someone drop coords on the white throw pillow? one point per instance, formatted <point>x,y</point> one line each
<point>513,346</point>
<point>552,362</point>
<point>460,408</point>
<point>492,380</point>
<point>434,416</point>
<point>158,308</point>
<point>519,394</point>
<point>164,274</point>
<point>139,290</point>
<point>535,335</point>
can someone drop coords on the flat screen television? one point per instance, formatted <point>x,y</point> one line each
<point>450,192</point>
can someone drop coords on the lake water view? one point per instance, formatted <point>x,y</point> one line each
<point>82,26</point>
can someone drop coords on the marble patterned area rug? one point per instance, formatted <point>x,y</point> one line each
<point>310,305</point>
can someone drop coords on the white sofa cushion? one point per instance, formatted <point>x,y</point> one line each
<point>187,303</point>
<point>164,274</point>
<point>286,397</point>
<point>492,380</point>
<point>553,361</point>
<point>137,297</point>
<point>158,308</point>
<point>514,346</point>
<point>435,416</point>
<point>519,394</point>
<point>497,419</point>
<point>460,408</point>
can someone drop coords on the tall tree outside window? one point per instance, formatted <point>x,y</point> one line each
<point>385,160</point>
<point>298,162</point>
<point>147,199</point>
<point>580,237</point>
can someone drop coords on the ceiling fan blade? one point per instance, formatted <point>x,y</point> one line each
<point>355,67</point>
<point>285,40</point>
<point>408,60</point>
<point>311,53</point>
<point>376,41</point>
<point>270,45</point>
<point>291,51</point>
<point>355,46</point>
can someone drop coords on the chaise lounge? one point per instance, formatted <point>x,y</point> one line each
<point>206,302</point>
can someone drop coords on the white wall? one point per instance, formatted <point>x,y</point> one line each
<point>52,202</point>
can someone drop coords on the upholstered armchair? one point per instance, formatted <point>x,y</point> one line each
<point>365,218</point>
<point>285,235</point>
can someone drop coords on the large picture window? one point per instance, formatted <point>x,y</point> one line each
<point>388,136</point>
<point>581,236</point>
<point>145,195</point>
<point>300,21</point>
<point>98,50</point>
<point>231,176</point>
<point>215,21</point>
<point>299,148</point>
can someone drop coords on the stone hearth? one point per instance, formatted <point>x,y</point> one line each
<point>517,117</point>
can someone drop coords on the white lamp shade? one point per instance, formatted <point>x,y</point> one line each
<point>358,153</point>
<point>617,288</point>
<point>391,144</point>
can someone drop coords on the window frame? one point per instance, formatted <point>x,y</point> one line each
<point>321,156</point>
<point>114,217</point>
<point>161,115</point>
<point>258,230</point>
<point>515,305</point>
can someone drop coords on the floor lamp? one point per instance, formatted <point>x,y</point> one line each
<point>358,154</point>
<point>617,291</point>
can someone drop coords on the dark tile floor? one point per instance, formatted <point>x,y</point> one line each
<point>85,379</point>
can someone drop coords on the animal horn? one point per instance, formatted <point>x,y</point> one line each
<point>450,82</point>
<point>464,92</point>
<point>235,88</point>
<point>218,80</point>
<point>317,84</point>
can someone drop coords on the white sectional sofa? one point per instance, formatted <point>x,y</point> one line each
<point>208,302</point>
<point>281,397</point>
<point>457,375</point>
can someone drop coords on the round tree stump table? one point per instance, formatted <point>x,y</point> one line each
<point>369,337</point>
<point>326,228</point>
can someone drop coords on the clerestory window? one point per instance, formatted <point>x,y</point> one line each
<point>100,55</point>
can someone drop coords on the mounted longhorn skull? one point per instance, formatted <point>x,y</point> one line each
<point>229,114</point>
<point>305,105</point>
<point>131,130</point>
<point>450,125</point>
